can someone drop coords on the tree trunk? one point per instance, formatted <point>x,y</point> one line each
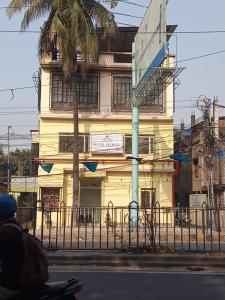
<point>75,147</point>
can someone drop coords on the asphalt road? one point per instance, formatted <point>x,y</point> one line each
<point>133,285</point>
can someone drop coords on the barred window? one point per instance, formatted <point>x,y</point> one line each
<point>122,92</point>
<point>122,87</point>
<point>86,92</point>
<point>146,144</point>
<point>148,198</point>
<point>66,143</point>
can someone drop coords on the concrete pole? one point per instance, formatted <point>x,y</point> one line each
<point>8,161</point>
<point>135,142</point>
<point>216,117</point>
<point>216,166</point>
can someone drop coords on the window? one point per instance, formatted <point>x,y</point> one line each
<point>122,92</point>
<point>86,91</point>
<point>148,198</point>
<point>145,144</point>
<point>196,166</point>
<point>66,143</point>
<point>122,88</point>
<point>50,197</point>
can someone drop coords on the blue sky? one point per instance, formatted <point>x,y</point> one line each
<point>18,61</point>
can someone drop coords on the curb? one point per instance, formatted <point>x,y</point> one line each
<point>113,259</point>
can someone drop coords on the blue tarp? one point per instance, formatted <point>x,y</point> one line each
<point>92,166</point>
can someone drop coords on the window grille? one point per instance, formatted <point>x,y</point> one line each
<point>66,143</point>
<point>146,144</point>
<point>122,88</point>
<point>148,198</point>
<point>86,92</point>
<point>122,93</point>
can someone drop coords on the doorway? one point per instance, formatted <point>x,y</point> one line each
<point>90,201</point>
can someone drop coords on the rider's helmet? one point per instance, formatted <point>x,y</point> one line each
<point>8,206</point>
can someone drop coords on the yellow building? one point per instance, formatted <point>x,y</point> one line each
<point>105,127</point>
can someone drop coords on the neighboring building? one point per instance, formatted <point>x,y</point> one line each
<point>202,179</point>
<point>196,181</point>
<point>105,132</point>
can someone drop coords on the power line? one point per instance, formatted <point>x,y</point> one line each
<point>130,31</point>
<point>201,56</point>
<point>132,3</point>
<point>17,88</point>
<point>122,1</point>
<point>179,61</point>
<point>114,13</point>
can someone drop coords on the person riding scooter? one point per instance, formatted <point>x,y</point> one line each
<point>11,248</point>
<point>13,257</point>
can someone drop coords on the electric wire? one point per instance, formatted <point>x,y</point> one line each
<point>143,69</point>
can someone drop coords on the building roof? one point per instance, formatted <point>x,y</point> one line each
<point>120,41</point>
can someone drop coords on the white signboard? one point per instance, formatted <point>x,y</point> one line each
<point>196,200</point>
<point>107,143</point>
<point>23,184</point>
<point>150,40</point>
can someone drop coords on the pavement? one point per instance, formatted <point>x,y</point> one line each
<point>146,285</point>
<point>132,260</point>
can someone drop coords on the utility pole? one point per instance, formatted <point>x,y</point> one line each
<point>8,161</point>
<point>208,146</point>
<point>210,149</point>
<point>135,142</point>
<point>216,134</point>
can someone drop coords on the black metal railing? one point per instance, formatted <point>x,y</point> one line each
<point>155,229</point>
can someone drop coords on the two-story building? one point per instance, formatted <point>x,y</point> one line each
<point>105,128</point>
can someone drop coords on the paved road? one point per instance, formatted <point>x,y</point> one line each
<point>133,285</point>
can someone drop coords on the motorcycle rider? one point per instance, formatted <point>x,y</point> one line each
<point>11,248</point>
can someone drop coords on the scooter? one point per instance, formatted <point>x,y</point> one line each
<point>64,290</point>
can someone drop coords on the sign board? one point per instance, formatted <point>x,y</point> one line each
<point>107,143</point>
<point>196,200</point>
<point>23,184</point>
<point>150,40</point>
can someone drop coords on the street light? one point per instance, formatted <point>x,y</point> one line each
<point>8,169</point>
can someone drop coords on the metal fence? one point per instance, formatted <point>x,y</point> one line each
<point>154,229</point>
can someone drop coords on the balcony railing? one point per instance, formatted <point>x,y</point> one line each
<point>77,57</point>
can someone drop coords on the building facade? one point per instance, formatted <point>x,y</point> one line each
<point>105,129</point>
<point>208,162</point>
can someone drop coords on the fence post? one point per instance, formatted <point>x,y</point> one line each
<point>42,220</point>
<point>110,220</point>
<point>34,221</point>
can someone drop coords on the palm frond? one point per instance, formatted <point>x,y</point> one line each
<point>71,27</point>
<point>16,6</point>
<point>100,15</point>
<point>35,12</point>
<point>48,38</point>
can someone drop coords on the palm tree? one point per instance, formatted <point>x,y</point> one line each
<point>71,28</point>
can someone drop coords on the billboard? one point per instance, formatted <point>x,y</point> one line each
<point>150,40</point>
<point>107,143</point>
